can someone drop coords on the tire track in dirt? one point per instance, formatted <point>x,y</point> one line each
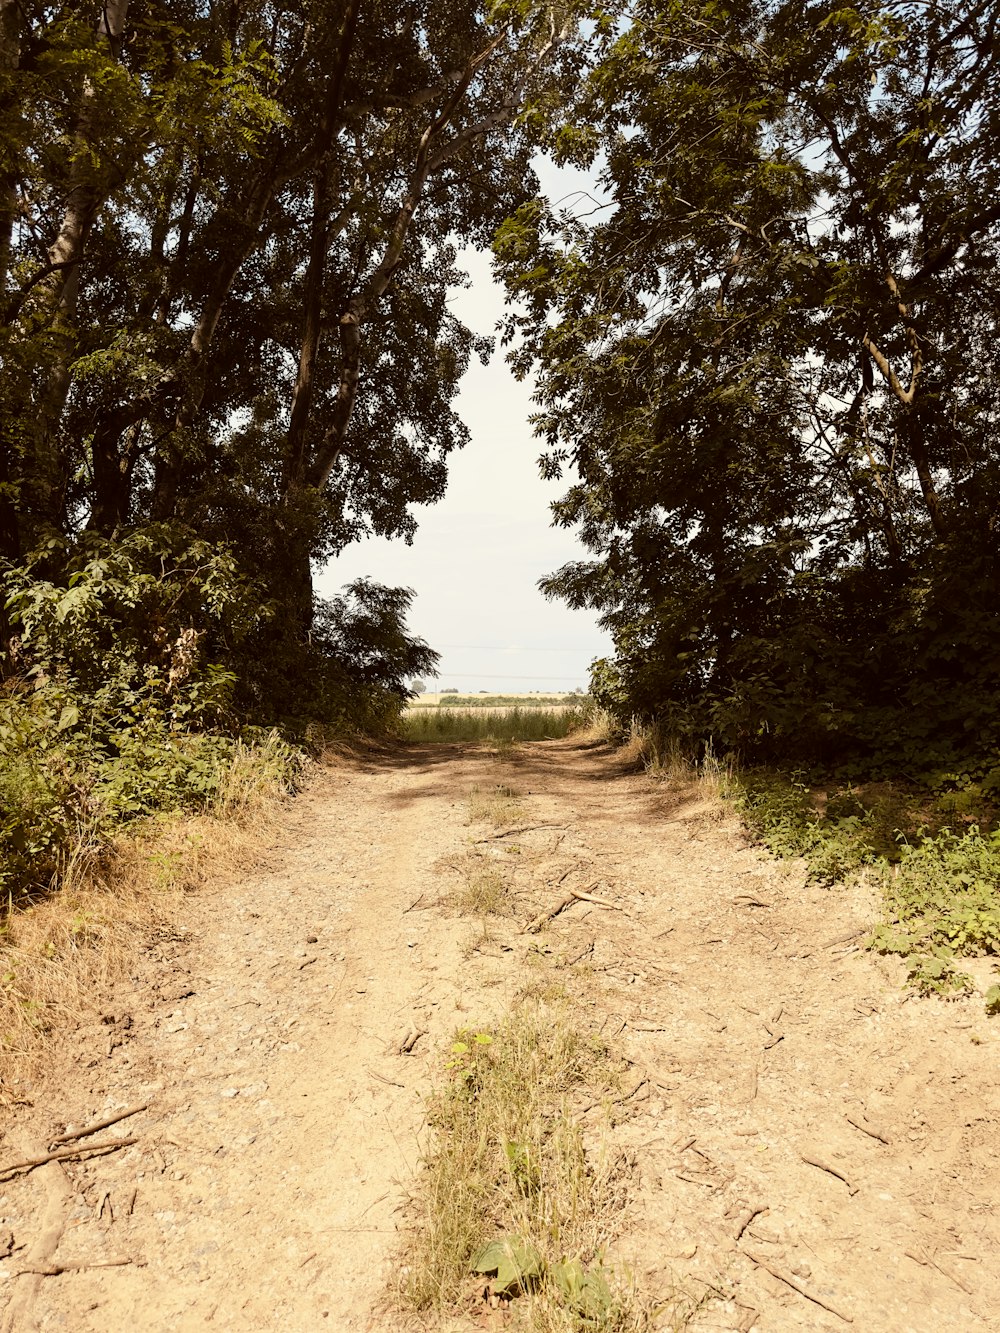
<point>284,1136</point>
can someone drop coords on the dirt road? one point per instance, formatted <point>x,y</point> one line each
<point>286,1034</point>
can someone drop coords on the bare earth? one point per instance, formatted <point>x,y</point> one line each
<point>267,1186</point>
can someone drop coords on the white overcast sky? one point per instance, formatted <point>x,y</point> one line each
<point>478,554</point>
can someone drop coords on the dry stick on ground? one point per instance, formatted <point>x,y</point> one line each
<point>831,1170</point>
<point>60,1196</point>
<point>796,1285</point>
<point>84,1148</point>
<point>575,895</point>
<point>744,1218</point>
<point>865,1128</point>
<point>921,1257</point>
<point>410,1040</point>
<point>53,1270</point>
<point>842,939</point>
<point>524,828</point>
<point>106,1123</point>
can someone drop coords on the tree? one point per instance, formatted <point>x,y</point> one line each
<point>227,234</point>
<point>769,367</point>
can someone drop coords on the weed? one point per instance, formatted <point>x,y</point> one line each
<point>940,886</point>
<point>939,976</point>
<point>498,805</point>
<point>484,892</point>
<point>509,1192</point>
<point>502,748</point>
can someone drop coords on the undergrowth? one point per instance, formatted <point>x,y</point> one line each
<point>511,1199</point>
<point>933,850</point>
<point>61,950</point>
<point>940,884</point>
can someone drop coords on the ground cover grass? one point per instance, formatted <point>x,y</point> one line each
<point>492,725</point>
<point>59,949</point>
<point>933,851</point>
<point>499,804</point>
<point>511,1199</point>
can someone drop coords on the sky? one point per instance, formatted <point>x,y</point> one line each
<point>478,554</point>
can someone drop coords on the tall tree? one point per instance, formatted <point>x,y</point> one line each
<point>768,364</point>
<point>227,235</point>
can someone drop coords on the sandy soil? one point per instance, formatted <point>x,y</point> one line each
<point>267,1184</point>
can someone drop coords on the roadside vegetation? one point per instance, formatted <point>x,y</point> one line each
<point>117,889</point>
<point>512,1199</point>
<point>510,701</point>
<point>934,856</point>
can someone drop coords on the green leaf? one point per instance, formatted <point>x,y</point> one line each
<point>515,1261</point>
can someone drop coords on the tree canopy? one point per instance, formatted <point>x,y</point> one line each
<point>765,363</point>
<point>227,235</point>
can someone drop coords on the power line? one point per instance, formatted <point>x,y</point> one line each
<point>506,675</point>
<point>510,648</point>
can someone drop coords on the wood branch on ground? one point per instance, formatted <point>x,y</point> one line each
<point>84,1149</point>
<point>796,1285</point>
<point>812,1160</point>
<point>106,1123</point>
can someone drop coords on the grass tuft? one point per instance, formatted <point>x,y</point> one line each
<point>510,1189</point>
<point>497,805</point>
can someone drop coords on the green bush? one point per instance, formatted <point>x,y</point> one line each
<point>121,707</point>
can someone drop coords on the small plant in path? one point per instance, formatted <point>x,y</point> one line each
<point>511,1206</point>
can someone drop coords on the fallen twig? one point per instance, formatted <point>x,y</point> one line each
<point>66,1154</point>
<point>924,1259</point>
<point>106,1123</point>
<point>842,939</point>
<point>571,962</point>
<point>306,962</point>
<point>391,1081</point>
<point>744,1219</point>
<point>754,1076</point>
<point>865,1128</point>
<point>533,927</point>
<point>796,1285</point>
<point>831,1170</point>
<point>53,1270</point>
<point>410,1040</point>
<point>585,897</point>
<point>524,828</point>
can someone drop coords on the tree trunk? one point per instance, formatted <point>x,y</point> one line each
<point>319,240</point>
<point>56,297</point>
<point>10,59</point>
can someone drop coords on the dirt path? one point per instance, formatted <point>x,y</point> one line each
<point>267,1186</point>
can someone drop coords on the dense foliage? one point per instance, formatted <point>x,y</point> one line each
<point>227,234</point>
<point>766,353</point>
<point>227,237</point>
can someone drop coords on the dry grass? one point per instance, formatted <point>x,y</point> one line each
<point>483,892</point>
<point>508,1163</point>
<point>497,805</point>
<point>63,951</point>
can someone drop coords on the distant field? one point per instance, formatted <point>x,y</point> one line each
<point>491,724</point>
<point>491,701</point>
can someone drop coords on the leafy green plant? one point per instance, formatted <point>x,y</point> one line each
<point>939,976</point>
